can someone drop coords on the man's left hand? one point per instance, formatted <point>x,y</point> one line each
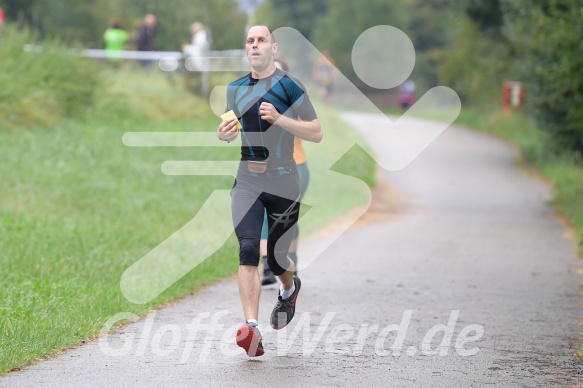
<point>268,112</point>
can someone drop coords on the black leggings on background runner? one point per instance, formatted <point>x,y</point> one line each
<point>253,194</point>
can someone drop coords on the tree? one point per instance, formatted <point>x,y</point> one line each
<point>430,29</point>
<point>338,29</point>
<point>73,21</point>
<point>223,17</point>
<point>487,15</point>
<point>546,35</point>
<point>19,10</point>
<point>429,23</point>
<point>300,14</point>
<point>473,64</point>
<point>84,21</point>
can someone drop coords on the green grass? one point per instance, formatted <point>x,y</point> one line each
<point>77,208</point>
<point>42,88</point>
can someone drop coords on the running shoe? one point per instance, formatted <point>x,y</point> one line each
<point>249,338</point>
<point>284,310</point>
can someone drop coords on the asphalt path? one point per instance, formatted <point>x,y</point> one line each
<point>467,277</point>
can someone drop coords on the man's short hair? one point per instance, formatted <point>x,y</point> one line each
<point>268,29</point>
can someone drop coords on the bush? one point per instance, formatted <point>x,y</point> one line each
<point>474,65</point>
<point>547,37</point>
<point>44,86</point>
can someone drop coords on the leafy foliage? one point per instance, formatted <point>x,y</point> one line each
<point>470,45</point>
<point>547,38</point>
<point>84,21</point>
<point>537,42</point>
<point>339,28</point>
<point>474,65</point>
<point>487,15</point>
<point>300,14</point>
<point>430,30</point>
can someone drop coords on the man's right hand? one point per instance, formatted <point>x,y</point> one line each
<point>227,130</point>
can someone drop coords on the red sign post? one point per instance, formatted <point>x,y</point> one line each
<point>512,95</point>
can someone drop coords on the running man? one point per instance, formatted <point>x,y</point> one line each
<point>267,102</point>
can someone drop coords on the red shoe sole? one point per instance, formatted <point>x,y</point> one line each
<point>249,340</point>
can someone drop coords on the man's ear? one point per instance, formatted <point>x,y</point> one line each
<point>274,48</point>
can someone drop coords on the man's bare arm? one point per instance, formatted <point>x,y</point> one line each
<point>305,130</point>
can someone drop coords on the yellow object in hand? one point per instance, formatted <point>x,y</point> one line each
<point>231,115</point>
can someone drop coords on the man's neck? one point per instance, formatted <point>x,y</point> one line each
<point>264,73</point>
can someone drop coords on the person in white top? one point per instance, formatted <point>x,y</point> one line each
<point>199,45</point>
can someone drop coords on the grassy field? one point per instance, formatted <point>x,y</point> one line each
<point>77,207</point>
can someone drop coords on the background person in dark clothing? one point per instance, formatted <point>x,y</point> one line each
<point>145,38</point>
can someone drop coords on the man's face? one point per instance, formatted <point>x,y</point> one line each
<point>259,47</point>
<point>150,20</point>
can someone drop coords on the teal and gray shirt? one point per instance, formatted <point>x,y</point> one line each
<point>261,141</point>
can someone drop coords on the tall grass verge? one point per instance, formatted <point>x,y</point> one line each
<point>42,86</point>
